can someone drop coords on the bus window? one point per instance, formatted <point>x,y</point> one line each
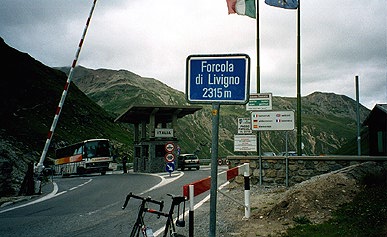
<point>97,149</point>
<point>102,149</point>
<point>89,150</point>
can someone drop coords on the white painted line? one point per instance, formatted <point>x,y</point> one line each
<point>53,194</point>
<point>48,196</point>
<point>164,181</point>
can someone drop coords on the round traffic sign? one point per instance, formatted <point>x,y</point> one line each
<point>169,147</point>
<point>169,157</point>
<point>170,167</point>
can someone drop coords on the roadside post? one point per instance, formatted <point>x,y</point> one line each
<point>217,79</point>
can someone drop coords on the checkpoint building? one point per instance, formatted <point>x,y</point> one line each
<point>155,137</point>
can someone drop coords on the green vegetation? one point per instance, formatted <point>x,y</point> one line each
<point>366,215</point>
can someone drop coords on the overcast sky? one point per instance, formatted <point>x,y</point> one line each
<point>339,39</point>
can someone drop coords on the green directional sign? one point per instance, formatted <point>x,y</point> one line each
<point>262,101</point>
<point>259,103</point>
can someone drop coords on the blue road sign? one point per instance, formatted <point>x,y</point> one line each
<point>223,79</point>
<point>170,167</point>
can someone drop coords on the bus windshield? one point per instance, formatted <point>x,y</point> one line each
<point>97,148</point>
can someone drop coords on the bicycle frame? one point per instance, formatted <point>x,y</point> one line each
<point>169,225</point>
<point>140,225</point>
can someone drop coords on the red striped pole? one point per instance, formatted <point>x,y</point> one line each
<point>39,168</point>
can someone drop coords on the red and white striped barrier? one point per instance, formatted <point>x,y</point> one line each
<point>198,187</point>
<point>204,185</point>
<point>39,168</point>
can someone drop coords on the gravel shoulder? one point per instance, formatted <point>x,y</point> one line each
<point>273,209</point>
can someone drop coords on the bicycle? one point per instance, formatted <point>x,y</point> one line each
<point>140,226</point>
<point>170,226</point>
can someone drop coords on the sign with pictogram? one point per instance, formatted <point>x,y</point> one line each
<point>170,167</point>
<point>169,157</point>
<point>244,126</point>
<point>272,120</point>
<point>169,147</point>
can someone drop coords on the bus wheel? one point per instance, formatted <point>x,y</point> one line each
<point>81,171</point>
<point>103,172</point>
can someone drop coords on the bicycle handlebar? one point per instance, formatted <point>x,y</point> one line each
<point>144,199</point>
<point>176,200</point>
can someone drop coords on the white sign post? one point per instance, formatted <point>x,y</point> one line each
<point>245,143</point>
<point>244,126</point>
<point>262,101</point>
<point>163,132</point>
<point>272,120</point>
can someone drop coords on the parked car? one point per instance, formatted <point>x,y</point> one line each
<point>188,161</point>
<point>268,153</point>
<point>290,153</point>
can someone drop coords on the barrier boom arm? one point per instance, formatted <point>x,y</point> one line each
<point>39,167</point>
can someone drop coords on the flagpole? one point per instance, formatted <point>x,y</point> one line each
<point>299,141</point>
<point>258,89</point>
<point>258,52</point>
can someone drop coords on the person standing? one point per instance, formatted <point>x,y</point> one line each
<point>124,160</point>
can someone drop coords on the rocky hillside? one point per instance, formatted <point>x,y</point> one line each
<point>29,95</point>
<point>328,120</point>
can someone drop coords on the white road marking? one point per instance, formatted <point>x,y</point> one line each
<point>53,194</point>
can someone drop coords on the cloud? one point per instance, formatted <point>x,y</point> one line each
<point>340,39</point>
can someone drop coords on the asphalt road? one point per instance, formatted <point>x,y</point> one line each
<point>91,205</point>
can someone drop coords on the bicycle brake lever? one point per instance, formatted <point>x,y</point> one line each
<point>126,200</point>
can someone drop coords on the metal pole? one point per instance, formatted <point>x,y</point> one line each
<point>299,140</point>
<point>258,52</point>
<point>358,116</point>
<point>287,161</point>
<point>260,163</point>
<point>259,88</point>
<point>214,168</point>
<point>39,168</point>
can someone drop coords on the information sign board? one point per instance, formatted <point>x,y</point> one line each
<point>245,142</point>
<point>261,101</point>
<point>223,79</point>
<point>163,132</point>
<point>272,120</point>
<point>244,126</point>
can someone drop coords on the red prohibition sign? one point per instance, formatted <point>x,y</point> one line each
<point>169,147</point>
<point>169,157</point>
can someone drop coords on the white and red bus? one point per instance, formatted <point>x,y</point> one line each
<point>89,156</point>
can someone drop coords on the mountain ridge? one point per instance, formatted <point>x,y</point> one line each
<point>31,91</point>
<point>326,110</point>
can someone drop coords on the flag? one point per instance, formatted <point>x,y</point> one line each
<point>287,4</point>
<point>241,7</point>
